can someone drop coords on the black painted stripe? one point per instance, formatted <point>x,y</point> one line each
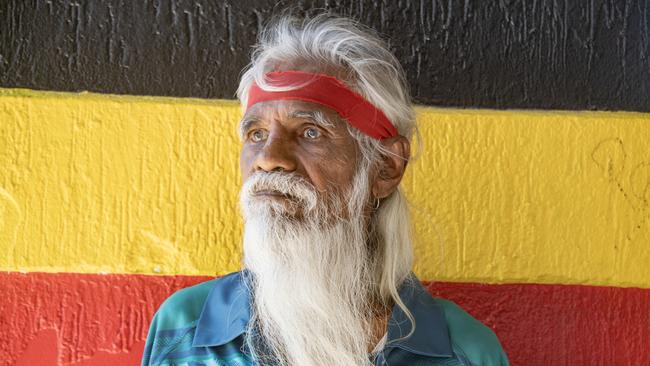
<point>562,54</point>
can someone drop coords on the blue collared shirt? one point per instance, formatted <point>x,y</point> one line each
<point>205,324</point>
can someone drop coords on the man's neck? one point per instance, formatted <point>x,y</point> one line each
<point>379,325</point>
<point>378,331</point>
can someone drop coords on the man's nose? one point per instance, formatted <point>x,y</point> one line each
<point>276,155</point>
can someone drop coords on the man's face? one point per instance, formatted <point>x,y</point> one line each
<point>307,246</point>
<point>306,139</point>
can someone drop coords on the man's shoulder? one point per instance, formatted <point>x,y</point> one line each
<point>470,338</point>
<point>173,328</point>
<point>184,307</point>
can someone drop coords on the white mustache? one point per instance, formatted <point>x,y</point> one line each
<point>290,185</point>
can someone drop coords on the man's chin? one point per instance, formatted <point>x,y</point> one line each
<point>273,208</point>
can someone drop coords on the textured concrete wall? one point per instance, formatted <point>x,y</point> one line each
<point>102,320</point>
<point>96,183</point>
<point>127,185</point>
<point>562,54</point>
<point>140,185</point>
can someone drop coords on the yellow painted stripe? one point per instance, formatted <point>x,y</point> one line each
<point>96,183</point>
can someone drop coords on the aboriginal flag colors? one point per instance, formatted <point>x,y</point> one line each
<point>530,196</point>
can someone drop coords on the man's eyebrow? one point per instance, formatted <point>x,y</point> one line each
<point>245,124</point>
<point>317,117</point>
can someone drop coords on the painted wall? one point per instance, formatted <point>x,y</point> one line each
<point>562,54</point>
<point>91,319</point>
<point>535,221</point>
<point>116,184</point>
<point>94,183</point>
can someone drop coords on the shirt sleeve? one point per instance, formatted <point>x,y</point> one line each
<point>472,341</point>
<point>173,325</point>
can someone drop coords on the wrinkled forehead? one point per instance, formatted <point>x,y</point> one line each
<point>287,108</point>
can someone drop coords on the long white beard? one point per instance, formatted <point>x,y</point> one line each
<point>314,274</point>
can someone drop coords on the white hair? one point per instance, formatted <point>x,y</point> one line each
<point>360,59</point>
<point>331,44</point>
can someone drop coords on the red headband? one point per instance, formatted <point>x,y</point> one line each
<point>330,92</point>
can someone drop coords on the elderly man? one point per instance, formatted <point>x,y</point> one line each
<point>327,252</point>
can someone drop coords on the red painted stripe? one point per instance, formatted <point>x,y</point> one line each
<point>82,319</point>
<point>561,324</point>
<point>95,319</point>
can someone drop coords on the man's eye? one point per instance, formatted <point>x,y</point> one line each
<point>311,133</point>
<point>258,135</point>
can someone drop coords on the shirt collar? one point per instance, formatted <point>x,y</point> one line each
<point>226,311</point>
<point>226,314</point>
<point>431,335</point>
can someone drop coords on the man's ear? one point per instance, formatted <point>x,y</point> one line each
<point>391,168</point>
